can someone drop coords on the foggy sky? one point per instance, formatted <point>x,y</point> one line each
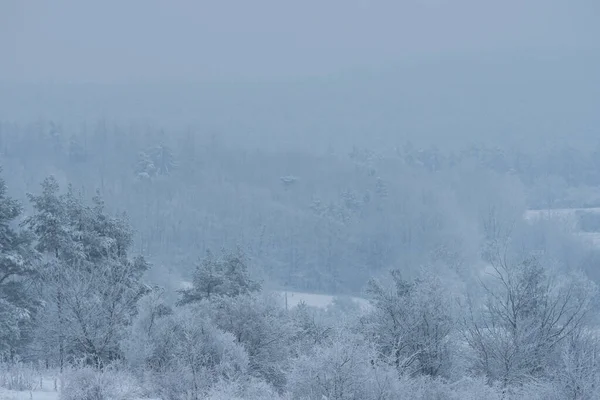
<point>309,74</point>
<point>114,41</point>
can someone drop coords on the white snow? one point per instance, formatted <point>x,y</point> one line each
<point>557,212</point>
<point>593,238</point>
<point>28,395</point>
<point>318,300</point>
<point>568,215</point>
<point>40,385</point>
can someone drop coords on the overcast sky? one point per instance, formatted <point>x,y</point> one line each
<point>148,40</point>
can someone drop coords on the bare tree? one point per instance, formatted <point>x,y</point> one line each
<point>526,314</point>
<point>411,324</point>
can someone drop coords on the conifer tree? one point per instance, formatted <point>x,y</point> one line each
<point>16,268</point>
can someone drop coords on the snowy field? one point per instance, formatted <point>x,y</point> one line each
<point>569,215</point>
<point>531,215</point>
<point>42,389</point>
<point>27,395</point>
<point>318,300</point>
<point>593,238</point>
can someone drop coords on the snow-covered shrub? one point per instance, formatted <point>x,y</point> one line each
<point>90,384</point>
<point>310,327</point>
<point>470,388</point>
<point>19,376</point>
<point>537,390</point>
<point>347,367</point>
<point>529,311</point>
<point>257,322</point>
<point>139,346</point>
<point>186,354</point>
<point>412,323</point>
<point>577,371</point>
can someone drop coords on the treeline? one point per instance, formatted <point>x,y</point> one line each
<point>323,222</point>
<point>73,296</point>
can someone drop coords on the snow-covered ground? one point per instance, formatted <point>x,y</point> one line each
<point>43,391</point>
<point>593,238</point>
<point>557,212</point>
<point>33,395</point>
<point>569,215</point>
<point>318,300</point>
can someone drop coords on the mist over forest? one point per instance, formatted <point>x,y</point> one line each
<point>523,99</point>
<point>365,202</point>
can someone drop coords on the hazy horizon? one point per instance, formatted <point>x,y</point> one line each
<point>309,75</point>
<point>517,100</point>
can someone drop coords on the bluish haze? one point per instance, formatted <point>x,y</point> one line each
<point>199,41</point>
<point>311,74</point>
<point>310,200</point>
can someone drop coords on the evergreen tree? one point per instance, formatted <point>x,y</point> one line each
<point>110,285</point>
<point>90,285</point>
<point>16,256</point>
<point>144,167</point>
<point>224,276</point>
<point>163,158</point>
<point>49,224</point>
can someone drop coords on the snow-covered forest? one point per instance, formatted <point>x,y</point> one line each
<point>315,200</point>
<point>174,266</point>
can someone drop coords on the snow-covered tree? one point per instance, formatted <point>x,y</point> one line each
<point>139,345</point>
<point>309,328</point>
<point>185,352</point>
<point>527,314</point>
<point>345,368</point>
<point>144,167</point>
<point>163,159</point>
<point>226,275</point>
<point>16,268</point>
<point>50,226</point>
<point>156,161</point>
<point>411,323</point>
<point>76,151</point>
<point>261,325</point>
<point>577,370</point>
<point>89,283</point>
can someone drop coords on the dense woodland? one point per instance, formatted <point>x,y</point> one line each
<point>100,227</point>
<point>321,222</point>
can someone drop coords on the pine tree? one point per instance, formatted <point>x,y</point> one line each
<point>163,158</point>
<point>224,276</point>
<point>49,224</point>
<point>90,284</point>
<point>111,285</point>
<point>144,168</point>
<point>16,256</point>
